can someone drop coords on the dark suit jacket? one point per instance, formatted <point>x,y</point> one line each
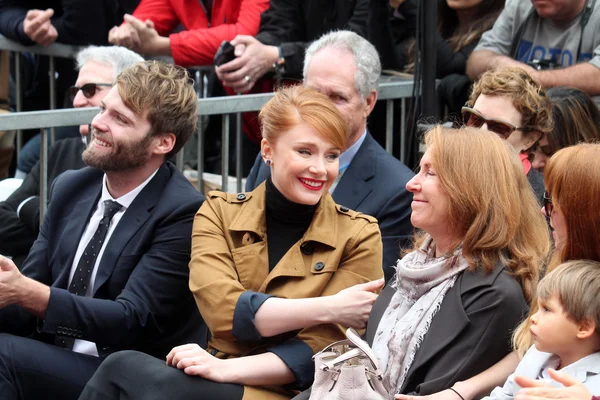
<point>17,233</point>
<point>470,332</point>
<point>141,298</point>
<point>374,184</point>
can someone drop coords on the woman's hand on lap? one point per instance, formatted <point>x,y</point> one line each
<point>194,360</point>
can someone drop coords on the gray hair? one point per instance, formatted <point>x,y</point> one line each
<point>366,58</point>
<point>119,58</point>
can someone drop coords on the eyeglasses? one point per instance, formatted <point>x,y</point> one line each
<point>88,90</point>
<point>503,129</point>
<point>548,206</point>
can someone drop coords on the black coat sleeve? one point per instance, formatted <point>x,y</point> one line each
<point>391,35</point>
<point>285,24</point>
<point>450,62</point>
<point>12,14</point>
<point>16,235</point>
<point>77,22</point>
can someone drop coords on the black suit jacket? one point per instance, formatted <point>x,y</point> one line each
<point>470,332</point>
<point>141,298</point>
<point>18,232</point>
<point>374,184</point>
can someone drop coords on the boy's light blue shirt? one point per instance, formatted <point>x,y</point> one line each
<point>535,365</point>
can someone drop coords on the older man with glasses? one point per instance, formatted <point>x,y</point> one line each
<point>19,214</point>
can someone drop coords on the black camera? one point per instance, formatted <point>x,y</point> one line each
<point>541,65</point>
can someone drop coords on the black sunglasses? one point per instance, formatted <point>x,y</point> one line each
<point>548,206</point>
<point>89,90</point>
<point>503,129</point>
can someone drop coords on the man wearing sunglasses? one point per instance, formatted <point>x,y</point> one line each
<point>19,214</point>
<point>508,102</point>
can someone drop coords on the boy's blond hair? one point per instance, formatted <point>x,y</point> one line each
<point>577,284</point>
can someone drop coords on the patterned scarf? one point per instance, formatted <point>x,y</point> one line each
<point>421,283</point>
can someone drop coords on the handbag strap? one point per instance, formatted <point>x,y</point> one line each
<point>362,350</point>
<point>364,346</point>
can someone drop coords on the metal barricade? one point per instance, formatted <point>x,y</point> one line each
<point>400,88</point>
<point>52,51</point>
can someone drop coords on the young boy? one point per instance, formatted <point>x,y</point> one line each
<point>565,329</point>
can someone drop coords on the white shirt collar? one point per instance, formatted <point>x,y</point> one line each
<point>347,156</point>
<point>128,198</point>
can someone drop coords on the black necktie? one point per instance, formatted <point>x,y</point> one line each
<point>85,266</point>
<point>81,279</point>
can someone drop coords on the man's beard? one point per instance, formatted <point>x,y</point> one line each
<point>123,156</point>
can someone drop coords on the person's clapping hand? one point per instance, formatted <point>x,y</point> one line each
<point>194,360</point>
<point>10,282</point>
<point>253,60</point>
<point>38,26</point>
<point>539,390</point>
<point>124,35</point>
<point>351,307</point>
<point>137,35</point>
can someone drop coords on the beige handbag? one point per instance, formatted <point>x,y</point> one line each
<point>347,370</point>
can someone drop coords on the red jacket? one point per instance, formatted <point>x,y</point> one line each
<point>198,44</point>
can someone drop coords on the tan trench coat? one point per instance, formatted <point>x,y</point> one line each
<point>229,256</point>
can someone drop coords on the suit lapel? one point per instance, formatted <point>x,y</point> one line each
<point>134,218</point>
<point>354,187</point>
<point>78,218</point>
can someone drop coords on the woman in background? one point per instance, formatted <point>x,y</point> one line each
<point>508,102</point>
<point>576,120</point>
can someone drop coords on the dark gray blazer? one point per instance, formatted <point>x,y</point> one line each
<point>374,184</point>
<point>470,332</point>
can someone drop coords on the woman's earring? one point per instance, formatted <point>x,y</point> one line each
<point>268,162</point>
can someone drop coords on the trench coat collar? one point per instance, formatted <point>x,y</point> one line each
<point>252,218</point>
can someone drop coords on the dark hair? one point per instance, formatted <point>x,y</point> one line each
<point>485,15</point>
<point>576,118</point>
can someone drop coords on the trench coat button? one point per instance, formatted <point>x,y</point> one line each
<point>319,266</point>
<point>344,209</point>
<point>307,248</point>
<point>241,196</point>
<point>247,239</point>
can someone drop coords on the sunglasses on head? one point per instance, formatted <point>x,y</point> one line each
<point>548,206</point>
<point>503,129</point>
<point>88,90</point>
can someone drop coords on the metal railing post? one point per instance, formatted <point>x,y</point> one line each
<point>43,173</point>
<point>225,153</point>
<point>238,151</point>
<point>52,73</point>
<point>403,133</point>
<point>389,125</point>
<point>19,99</point>
<point>200,156</point>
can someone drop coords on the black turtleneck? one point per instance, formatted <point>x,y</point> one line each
<point>286,223</point>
